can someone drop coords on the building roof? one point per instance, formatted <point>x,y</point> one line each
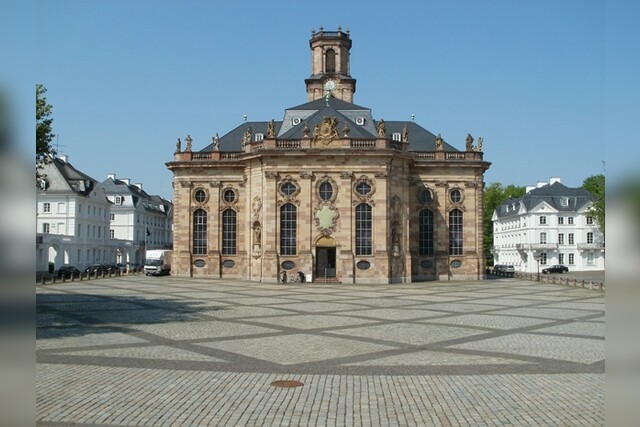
<point>152,203</point>
<point>358,119</point>
<point>62,176</point>
<point>556,195</point>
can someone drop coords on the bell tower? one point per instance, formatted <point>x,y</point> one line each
<point>330,61</point>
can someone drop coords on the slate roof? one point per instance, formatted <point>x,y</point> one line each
<point>314,112</point>
<point>76,180</point>
<point>150,203</point>
<point>552,194</point>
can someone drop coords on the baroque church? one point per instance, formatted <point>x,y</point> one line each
<point>329,193</point>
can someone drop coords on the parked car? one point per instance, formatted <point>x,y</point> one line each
<point>95,269</point>
<point>555,269</point>
<point>68,271</point>
<point>504,270</point>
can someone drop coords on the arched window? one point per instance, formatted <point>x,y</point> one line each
<point>330,61</point>
<point>288,226</point>
<point>363,229</point>
<point>425,234</point>
<point>455,232</point>
<point>200,232</point>
<point>229,232</point>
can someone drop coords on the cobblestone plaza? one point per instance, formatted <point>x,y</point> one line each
<point>141,351</point>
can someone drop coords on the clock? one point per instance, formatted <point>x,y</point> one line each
<point>330,85</point>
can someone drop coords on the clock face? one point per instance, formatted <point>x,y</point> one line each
<point>330,85</point>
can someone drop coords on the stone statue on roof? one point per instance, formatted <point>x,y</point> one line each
<point>469,140</point>
<point>271,129</point>
<point>178,145</point>
<point>382,128</point>
<point>405,134</point>
<point>480,141</point>
<point>189,141</point>
<point>246,138</point>
<point>439,143</point>
<point>216,143</point>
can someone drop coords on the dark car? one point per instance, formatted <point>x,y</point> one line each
<point>504,270</point>
<point>68,271</point>
<point>555,269</point>
<point>95,269</point>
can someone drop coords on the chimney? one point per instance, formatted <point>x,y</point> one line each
<point>139,185</point>
<point>530,187</point>
<point>126,180</point>
<point>540,184</point>
<point>111,176</point>
<point>64,158</point>
<point>555,179</point>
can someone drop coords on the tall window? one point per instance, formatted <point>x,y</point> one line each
<point>570,220</point>
<point>46,207</point>
<point>571,259</point>
<point>363,230</point>
<point>112,234</point>
<point>288,227</point>
<point>543,220</point>
<point>543,258</point>
<point>589,220</point>
<point>560,258</point>
<point>561,239</point>
<point>589,237</point>
<point>425,238</point>
<point>45,227</point>
<point>200,232</point>
<point>571,239</point>
<point>455,232</point>
<point>229,232</point>
<point>330,61</point>
<point>560,220</point>
<point>543,238</point>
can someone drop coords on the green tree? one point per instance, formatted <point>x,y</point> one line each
<point>595,184</point>
<point>494,195</point>
<point>44,133</point>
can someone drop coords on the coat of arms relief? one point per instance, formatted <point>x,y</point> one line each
<point>326,131</point>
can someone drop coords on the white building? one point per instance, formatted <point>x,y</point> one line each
<point>72,218</point>
<point>138,220</point>
<point>549,225</point>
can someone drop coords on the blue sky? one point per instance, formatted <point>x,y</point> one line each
<point>545,83</point>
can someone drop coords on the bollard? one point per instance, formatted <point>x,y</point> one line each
<point>63,278</point>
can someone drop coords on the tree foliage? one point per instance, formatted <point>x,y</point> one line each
<point>494,195</point>
<point>44,132</point>
<point>596,185</point>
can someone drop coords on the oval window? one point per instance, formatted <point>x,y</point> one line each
<point>363,265</point>
<point>288,188</point>
<point>456,195</point>
<point>288,265</point>
<point>199,263</point>
<point>228,263</point>
<point>229,196</point>
<point>326,191</point>
<point>362,188</point>
<point>425,196</point>
<point>200,196</point>
<point>426,263</point>
<point>456,263</point>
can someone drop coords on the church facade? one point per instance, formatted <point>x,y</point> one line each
<point>329,193</point>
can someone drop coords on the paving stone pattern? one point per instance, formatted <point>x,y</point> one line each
<point>166,351</point>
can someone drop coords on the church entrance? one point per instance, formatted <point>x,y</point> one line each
<point>325,262</point>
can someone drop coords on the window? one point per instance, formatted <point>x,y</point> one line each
<point>456,196</point>
<point>560,258</point>
<point>571,239</point>
<point>363,229</point>
<point>200,232</point>
<point>112,234</point>
<point>571,259</point>
<point>543,220</point>
<point>118,200</point>
<point>326,191</point>
<point>590,237</point>
<point>396,136</point>
<point>288,188</point>
<point>45,227</point>
<point>258,137</point>
<point>543,258</point>
<point>570,220</point>
<point>362,188</point>
<point>425,234</point>
<point>425,196</point>
<point>200,195</point>
<point>543,238</point>
<point>560,220</point>
<point>455,232</point>
<point>229,196</point>
<point>564,201</point>
<point>561,239</point>
<point>46,207</point>
<point>112,217</point>
<point>288,227</point>
<point>229,232</point>
<point>62,207</point>
<point>330,61</point>
<point>589,220</point>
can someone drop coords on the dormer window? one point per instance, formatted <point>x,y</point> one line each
<point>396,136</point>
<point>119,200</point>
<point>564,201</point>
<point>258,137</point>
